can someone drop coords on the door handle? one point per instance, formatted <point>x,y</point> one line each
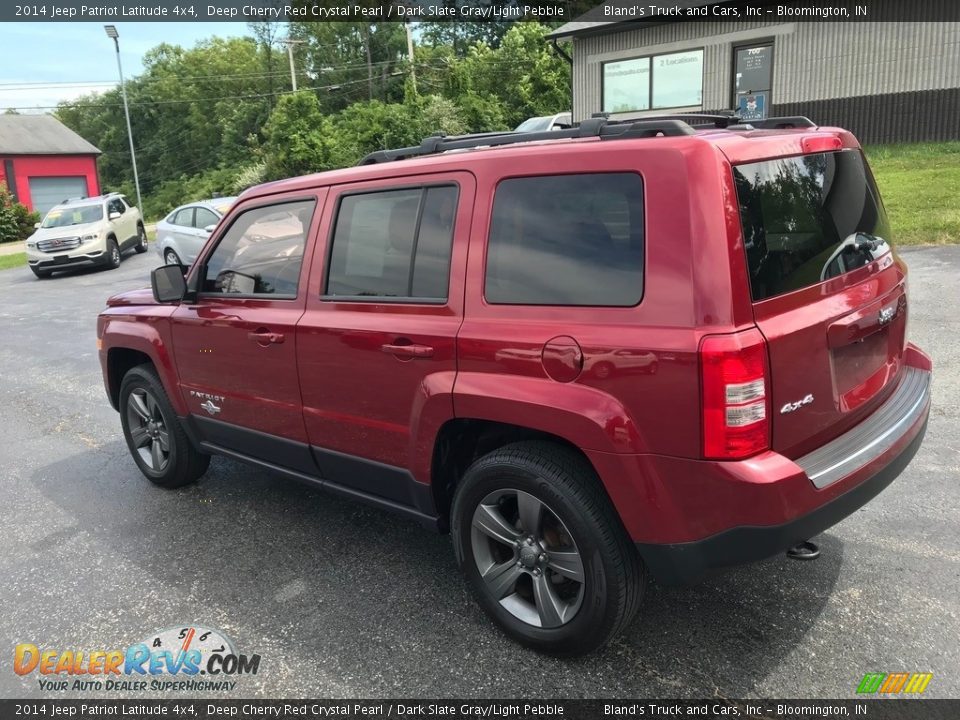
<point>265,338</point>
<point>411,351</point>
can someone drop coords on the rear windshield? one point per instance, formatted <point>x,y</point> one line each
<point>807,219</point>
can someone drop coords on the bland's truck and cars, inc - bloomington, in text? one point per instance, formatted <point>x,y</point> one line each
<point>718,11</point>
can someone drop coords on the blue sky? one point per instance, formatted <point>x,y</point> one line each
<point>44,53</point>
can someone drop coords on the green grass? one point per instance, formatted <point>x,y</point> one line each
<point>920,185</point>
<point>15,260</point>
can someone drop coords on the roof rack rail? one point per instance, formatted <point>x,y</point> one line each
<point>597,126</point>
<point>774,123</point>
<point>592,127</point>
<point>719,121</point>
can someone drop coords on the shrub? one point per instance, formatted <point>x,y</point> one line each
<point>249,176</point>
<point>16,221</point>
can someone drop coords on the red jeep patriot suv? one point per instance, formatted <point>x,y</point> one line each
<point>590,353</point>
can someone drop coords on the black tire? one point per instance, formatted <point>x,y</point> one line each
<point>170,257</point>
<point>613,575</point>
<point>113,254</point>
<point>42,274</point>
<point>181,464</point>
<point>141,246</point>
<point>603,370</point>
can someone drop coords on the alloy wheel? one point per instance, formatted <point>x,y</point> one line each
<point>527,559</point>
<point>148,431</point>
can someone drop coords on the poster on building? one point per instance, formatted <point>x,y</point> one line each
<point>752,106</point>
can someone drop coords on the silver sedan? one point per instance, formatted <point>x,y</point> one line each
<point>182,234</point>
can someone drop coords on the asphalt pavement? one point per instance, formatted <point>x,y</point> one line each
<point>341,600</point>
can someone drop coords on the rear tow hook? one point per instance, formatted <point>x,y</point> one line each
<point>804,551</point>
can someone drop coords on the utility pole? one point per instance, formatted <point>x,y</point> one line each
<point>413,71</point>
<point>114,35</point>
<point>290,42</point>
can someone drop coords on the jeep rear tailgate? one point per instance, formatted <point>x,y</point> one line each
<point>828,291</point>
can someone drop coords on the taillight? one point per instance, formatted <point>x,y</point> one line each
<point>735,383</point>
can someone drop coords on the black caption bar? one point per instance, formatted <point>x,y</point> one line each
<point>893,709</point>
<point>477,10</point>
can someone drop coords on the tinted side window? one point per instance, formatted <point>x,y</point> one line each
<point>116,206</point>
<point>204,218</point>
<point>394,243</point>
<point>807,219</point>
<point>567,240</point>
<point>262,251</point>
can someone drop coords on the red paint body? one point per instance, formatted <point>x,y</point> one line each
<point>621,384</point>
<point>32,166</point>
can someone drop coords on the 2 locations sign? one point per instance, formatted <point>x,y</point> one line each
<point>266,10</point>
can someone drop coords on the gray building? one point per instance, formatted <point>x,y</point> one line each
<point>886,81</point>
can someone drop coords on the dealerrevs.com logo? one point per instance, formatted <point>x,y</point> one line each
<point>187,658</point>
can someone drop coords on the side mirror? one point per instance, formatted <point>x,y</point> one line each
<point>36,226</point>
<point>209,229</point>
<point>114,215</point>
<point>168,283</point>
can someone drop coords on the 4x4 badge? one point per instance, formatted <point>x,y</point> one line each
<point>791,406</point>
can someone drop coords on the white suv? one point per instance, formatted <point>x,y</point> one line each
<point>86,231</point>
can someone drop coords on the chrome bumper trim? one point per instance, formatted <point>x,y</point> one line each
<point>874,436</point>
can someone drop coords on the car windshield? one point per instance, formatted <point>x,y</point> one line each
<point>541,124</point>
<point>533,125</point>
<point>74,215</point>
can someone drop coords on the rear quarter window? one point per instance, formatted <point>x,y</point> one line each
<point>807,219</point>
<point>567,240</point>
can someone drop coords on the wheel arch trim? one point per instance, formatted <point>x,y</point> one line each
<point>144,337</point>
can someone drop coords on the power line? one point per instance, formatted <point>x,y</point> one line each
<point>334,86</point>
<point>56,84</point>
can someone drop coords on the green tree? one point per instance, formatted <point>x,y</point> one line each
<point>300,139</point>
<point>193,111</point>
<point>524,74</point>
<point>353,61</point>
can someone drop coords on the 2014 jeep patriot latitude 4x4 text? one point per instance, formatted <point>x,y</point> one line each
<point>590,354</point>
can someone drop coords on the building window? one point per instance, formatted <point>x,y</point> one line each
<point>626,85</point>
<point>752,80</point>
<point>657,82</point>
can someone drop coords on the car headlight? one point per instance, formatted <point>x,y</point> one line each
<point>88,238</point>
<point>31,244</point>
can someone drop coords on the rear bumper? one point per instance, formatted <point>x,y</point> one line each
<point>691,517</point>
<point>682,563</point>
